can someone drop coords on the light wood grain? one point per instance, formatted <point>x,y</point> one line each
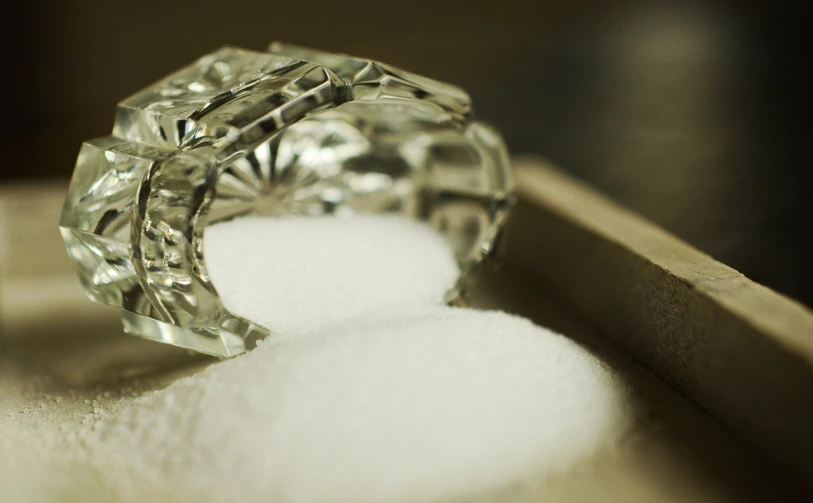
<point>740,350</point>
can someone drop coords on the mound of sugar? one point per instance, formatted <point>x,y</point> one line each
<point>390,396</point>
<point>448,403</point>
<point>297,274</point>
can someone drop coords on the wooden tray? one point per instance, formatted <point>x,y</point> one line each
<point>719,369</point>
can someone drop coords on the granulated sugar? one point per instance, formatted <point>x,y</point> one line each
<point>448,403</point>
<point>371,390</point>
<point>297,274</point>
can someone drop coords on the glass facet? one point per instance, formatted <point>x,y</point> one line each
<point>288,132</point>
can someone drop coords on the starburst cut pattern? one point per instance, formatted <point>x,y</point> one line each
<point>288,132</point>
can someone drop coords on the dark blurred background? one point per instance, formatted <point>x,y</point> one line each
<point>691,113</point>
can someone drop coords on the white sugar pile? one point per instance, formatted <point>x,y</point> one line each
<point>298,274</point>
<point>421,404</point>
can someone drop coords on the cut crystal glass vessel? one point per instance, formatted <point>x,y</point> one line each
<point>290,131</point>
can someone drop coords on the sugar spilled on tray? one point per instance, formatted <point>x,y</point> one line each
<point>374,391</point>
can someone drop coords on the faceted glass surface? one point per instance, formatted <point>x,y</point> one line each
<point>95,222</point>
<point>232,95</point>
<point>291,131</point>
